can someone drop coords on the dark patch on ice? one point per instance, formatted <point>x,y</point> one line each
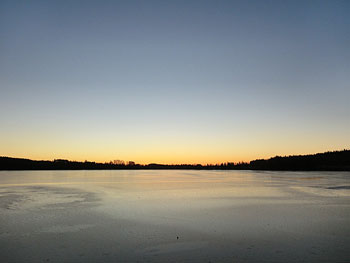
<point>9,201</point>
<point>55,198</point>
<point>339,187</point>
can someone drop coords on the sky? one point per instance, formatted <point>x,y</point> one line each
<point>173,81</point>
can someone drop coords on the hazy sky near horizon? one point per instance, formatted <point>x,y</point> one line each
<point>173,81</point>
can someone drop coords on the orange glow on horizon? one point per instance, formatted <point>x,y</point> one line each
<point>167,149</point>
<point>160,159</point>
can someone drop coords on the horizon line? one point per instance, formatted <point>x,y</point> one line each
<point>122,162</point>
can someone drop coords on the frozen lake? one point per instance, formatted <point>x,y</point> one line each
<point>174,216</point>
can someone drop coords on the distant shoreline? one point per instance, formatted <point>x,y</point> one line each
<point>327,161</point>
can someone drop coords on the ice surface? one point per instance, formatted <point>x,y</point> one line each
<point>174,216</point>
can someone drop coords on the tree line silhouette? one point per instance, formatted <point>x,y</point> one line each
<point>328,161</point>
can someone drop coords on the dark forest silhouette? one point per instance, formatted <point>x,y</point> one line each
<point>328,161</point>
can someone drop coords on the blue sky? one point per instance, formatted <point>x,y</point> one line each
<point>173,81</point>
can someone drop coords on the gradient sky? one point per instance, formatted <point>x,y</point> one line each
<point>173,81</point>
